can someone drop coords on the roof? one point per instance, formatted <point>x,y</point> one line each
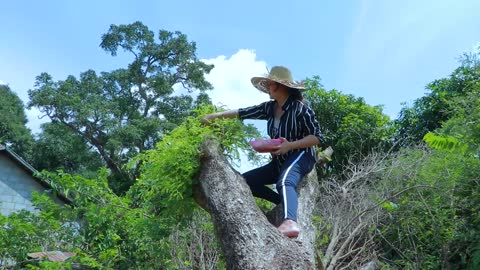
<point>54,256</point>
<point>19,160</point>
<point>29,169</point>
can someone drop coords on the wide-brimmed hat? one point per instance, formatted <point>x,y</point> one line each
<point>277,74</point>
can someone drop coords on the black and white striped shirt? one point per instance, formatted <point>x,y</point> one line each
<point>297,122</point>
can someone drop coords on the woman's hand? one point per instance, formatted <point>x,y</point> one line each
<point>208,118</point>
<point>284,147</point>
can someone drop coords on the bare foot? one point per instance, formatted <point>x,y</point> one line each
<point>289,228</point>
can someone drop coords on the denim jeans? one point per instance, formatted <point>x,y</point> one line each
<point>286,176</point>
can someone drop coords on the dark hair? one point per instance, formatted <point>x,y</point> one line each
<point>295,94</point>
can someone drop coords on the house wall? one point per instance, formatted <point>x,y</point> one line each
<point>16,186</point>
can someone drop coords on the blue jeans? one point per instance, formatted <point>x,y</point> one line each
<point>286,176</point>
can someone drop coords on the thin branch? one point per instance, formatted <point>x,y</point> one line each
<point>335,258</point>
<point>382,202</point>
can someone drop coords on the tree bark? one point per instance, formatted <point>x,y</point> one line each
<point>248,239</point>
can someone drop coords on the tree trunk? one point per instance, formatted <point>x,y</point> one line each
<point>248,239</point>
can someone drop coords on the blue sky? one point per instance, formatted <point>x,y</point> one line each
<point>383,51</point>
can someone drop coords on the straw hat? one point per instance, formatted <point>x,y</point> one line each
<point>277,74</point>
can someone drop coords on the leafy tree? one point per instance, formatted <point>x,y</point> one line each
<point>59,148</point>
<point>124,112</point>
<point>434,223</point>
<point>438,227</point>
<point>429,112</point>
<point>464,123</point>
<point>418,232</point>
<point>349,125</point>
<point>462,130</point>
<point>130,231</point>
<point>12,122</point>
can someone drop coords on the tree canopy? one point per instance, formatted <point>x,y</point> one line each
<point>430,111</point>
<point>57,147</point>
<point>352,127</point>
<point>13,122</point>
<point>124,112</point>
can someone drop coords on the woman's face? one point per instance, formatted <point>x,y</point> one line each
<point>275,90</point>
<point>272,89</point>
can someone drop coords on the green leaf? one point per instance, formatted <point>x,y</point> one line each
<point>389,206</point>
<point>444,142</point>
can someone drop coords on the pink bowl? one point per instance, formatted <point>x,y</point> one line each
<point>265,145</point>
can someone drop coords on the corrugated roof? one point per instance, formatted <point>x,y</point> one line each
<point>54,256</point>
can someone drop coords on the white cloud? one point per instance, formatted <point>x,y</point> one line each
<point>2,83</point>
<point>230,79</point>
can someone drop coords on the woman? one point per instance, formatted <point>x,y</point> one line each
<point>294,123</point>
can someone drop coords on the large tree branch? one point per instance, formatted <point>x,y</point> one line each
<point>248,239</point>
<point>111,164</point>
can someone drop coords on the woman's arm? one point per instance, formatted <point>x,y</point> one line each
<point>226,114</point>
<point>307,141</point>
<point>253,112</point>
<point>310,123</point>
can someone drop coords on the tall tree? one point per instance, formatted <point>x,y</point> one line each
<point>13,122</point>
<point>124,112</point>
<point>444,214</point>
<point>58,147</point>
<point>352,127</point>
<point>459,141</point>
<point>430,111</point>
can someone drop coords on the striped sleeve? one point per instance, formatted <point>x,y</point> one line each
<point>311,124</point>
<point>254,112</point>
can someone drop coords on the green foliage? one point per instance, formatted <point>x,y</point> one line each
<point>203,249</point>
<point>448,143</point>
<point>59,148</point>
<point>111,233</point>
<point>264,205</point>
<point>323,236</point>
<point>438,227</point>
<point>429,112</point>
<point>349,125</point>
<point>432,223</point>
<point>126,111</point>
<point>25,232</point>
<point>389,206</point>
<point>169,170</point>
<point>464,126</point>
<point>131,231</point>
<point>12,122</point>
<point>105,219</point>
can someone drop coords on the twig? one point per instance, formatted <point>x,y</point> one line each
<point>383,201</point>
